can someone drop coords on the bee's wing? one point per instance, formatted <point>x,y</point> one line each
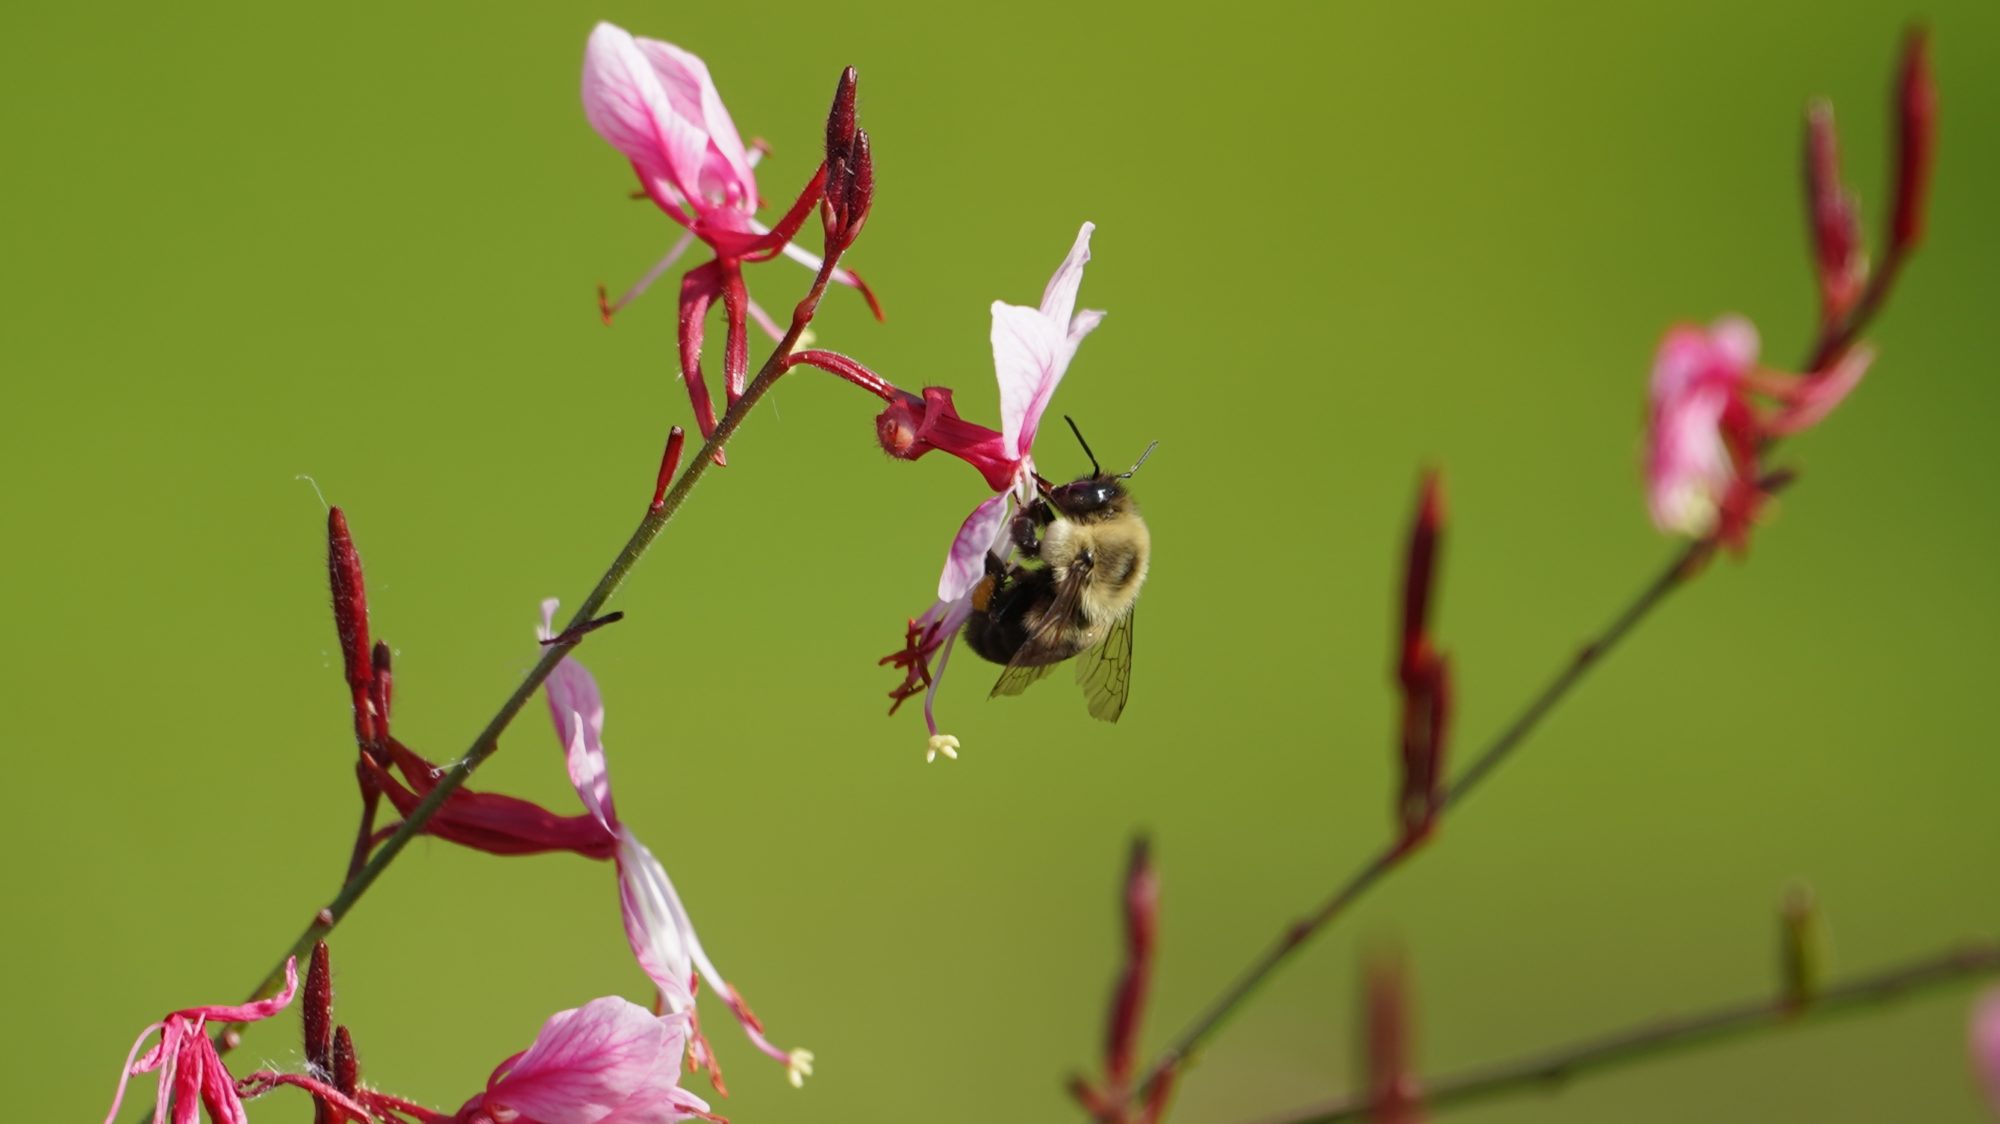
<point>1105,672</point>
<point>1016,678</point>
<point>1047,644</point>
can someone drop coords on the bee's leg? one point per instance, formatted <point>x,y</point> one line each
<point>1026,529</point>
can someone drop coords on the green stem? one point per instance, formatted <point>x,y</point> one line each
<point>1722,1024</point>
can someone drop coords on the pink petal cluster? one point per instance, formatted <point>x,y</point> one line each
<point>609,1061</point>
<point>657,104</point>
<point>1705,432</point>
<point>1032,349</point>
<point>1698,376</point>
<point>657,925</point>
<point>191,1072</point>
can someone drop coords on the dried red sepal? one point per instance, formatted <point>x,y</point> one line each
<point>487,821</point>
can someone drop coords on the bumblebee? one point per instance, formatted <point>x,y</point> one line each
<point>1082,552</point>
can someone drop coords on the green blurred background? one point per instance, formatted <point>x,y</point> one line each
<point>247,241</point>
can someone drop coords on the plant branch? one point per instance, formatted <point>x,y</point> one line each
<point>1687,561</point>
<point>488,739</point>
<point>1706,1028</point>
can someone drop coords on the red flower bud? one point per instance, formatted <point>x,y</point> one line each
<point>670,463</point>
<point>346,1066</point>
<point>316,1013</point>
<point>1831,220</point>
<point>1128,1000</point>
<point>350,617</point>
<point>1386,1036</point>
<point>1916,141</point>
<point>840,119</point>
<point>1422,673</point>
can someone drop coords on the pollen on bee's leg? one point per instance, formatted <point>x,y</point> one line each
<point>941,743</point>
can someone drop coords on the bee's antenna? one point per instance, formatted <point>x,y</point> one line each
<point>1094,470</point>
<point>1127,474</point>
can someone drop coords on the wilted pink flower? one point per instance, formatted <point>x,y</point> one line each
<point>656,104</point>
<point>485,821</point>
<point>609,1061</point>
<point>657,925</point>
<point>1704,434</point>
<point>191,1072</point>
<point>1986,1046</point>
<point>1032,348</point>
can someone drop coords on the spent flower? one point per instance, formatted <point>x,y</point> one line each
<point>657,925</point>
<point>191,1071</point>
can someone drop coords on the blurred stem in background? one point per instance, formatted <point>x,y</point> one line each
<point>1850,297</point>
<point>1713,1027</point>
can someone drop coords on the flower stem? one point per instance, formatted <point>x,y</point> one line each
<point>656,519</point>
<point>1722,1024</point>
<point>1685,563</point>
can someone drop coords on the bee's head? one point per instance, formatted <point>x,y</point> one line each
<point>1099,494</point>
<point>1088,496</point>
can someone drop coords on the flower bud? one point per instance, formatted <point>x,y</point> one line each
<point>1128,1001</point>
<point>1831,219</point>
<point>1801,947</point>
<point>350,615</point>
<point>1916,141</point>
<point>316,1013</point>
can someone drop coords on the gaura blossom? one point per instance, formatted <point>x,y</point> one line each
<point>1032,348</point>
<point>657,925</point>
<point>609,1061</point>
<point>1705,433</point>
<point>656,104</point>
<point>191,1072</point>
<point>1986,1046</point>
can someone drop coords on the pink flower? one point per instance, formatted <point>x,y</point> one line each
<point>1032,348</point>
<point>657,925</point>
<point>191,1072</point>
<point>656,104</point>
<point>1697,377</point>
<point>1704,434</point>
<point>1985,1038</point>
<point>609,1061</point>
